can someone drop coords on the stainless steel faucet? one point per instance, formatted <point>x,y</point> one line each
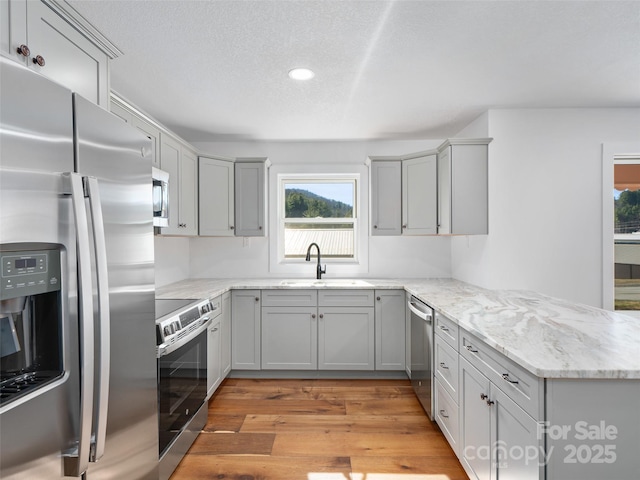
<point>319,269</point>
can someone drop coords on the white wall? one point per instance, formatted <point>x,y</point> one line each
<point>545,202</point>
<point>172,259</point>
<point>387,257</point>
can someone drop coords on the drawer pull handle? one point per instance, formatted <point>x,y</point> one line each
<point>470,348</point>
<point>443,328</point>
<point>483,396</point>
<point>505,376</point>
<point>443,413</point>
<point>444,365</point>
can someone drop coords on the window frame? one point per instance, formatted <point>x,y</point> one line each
<point>325,178</point>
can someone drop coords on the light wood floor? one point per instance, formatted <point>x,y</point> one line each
<point>318,430</point>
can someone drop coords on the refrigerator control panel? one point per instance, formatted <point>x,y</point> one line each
<point>29,272</point>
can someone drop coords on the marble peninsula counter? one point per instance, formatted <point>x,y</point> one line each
<point>549,337</point>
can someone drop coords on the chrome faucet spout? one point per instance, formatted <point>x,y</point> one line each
<point>319,269</point>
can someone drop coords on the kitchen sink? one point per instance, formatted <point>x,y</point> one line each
<point>327,282</point>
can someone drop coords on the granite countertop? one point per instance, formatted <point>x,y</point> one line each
<point>550,337</point>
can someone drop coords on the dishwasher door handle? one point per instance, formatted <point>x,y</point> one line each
<point>426,316</point>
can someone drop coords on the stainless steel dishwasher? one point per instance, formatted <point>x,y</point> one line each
<point>422,352</point>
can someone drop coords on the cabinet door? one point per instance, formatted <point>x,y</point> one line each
<point>214,373</point>
<point>390,334</point>
<point>121,112</point>
<point>170,163</point>
<point>346,338</point>
<point>245,329</point>
<point>420,196</point>
<point>188,205</point>
<point>216,199</point>
<point>475,422</point>
<point>514,431</point>
<point>225,335</point>
<point>386,209</point>
<point>249,199</point>
<point>289,338</point>
<point>444,191</point>
<point>66,50</point>
<point>152,134</point>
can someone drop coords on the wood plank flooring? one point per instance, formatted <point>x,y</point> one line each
<point>318,430</point>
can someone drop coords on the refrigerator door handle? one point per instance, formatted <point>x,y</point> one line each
<point>104,359</point>
<point>76,461</point>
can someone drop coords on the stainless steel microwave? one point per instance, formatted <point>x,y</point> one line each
<point>160,197</point>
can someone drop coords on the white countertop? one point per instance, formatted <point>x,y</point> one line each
<point>550,337</point>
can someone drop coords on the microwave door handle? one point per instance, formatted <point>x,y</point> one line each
<point>76,461</point>
<point>104,359</point>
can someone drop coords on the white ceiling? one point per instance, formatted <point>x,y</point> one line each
<point>217,70</point>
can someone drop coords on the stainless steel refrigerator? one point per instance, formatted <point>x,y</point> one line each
<point>78,393</point>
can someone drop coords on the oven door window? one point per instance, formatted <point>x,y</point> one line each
<point>182,387</point>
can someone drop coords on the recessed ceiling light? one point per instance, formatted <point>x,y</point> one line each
<point>301,74</point>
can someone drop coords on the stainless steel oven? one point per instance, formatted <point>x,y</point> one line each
<point>181,333</point>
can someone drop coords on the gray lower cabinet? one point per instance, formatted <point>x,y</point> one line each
<point>214,347</point>
<point>390,329</point>
<point>498,438</point>
<point>245,330</point>
<point>289,338</point>
<point>346,338</point>
<point>225,334</point>
<point>214,366</point>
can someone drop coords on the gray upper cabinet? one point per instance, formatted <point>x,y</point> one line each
<point>135,118</point>
<point>463,190</point>
<point>404,195</point>
<point>216,199</point>
<point>249,197</point>
<point>181,164</point>
<point>52,39</point>
<point>439,191</point>
<point>386,195</point>
<point>419,195</point>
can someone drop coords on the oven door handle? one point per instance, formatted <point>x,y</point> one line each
<point>167,348</point>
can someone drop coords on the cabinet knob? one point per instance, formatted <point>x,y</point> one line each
<point>257,299</point>
<point>313,315</point>
<point>24,50</point>
<point>378,298</point>
<point>260,227</point>
<point>39,60</point>
<point>483,396</point>
<point>231,227</point>
<point>321,315</point>
<point>490,402</point>
<point>375,226</point>
<point>404,226</point>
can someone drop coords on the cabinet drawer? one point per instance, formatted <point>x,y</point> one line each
<point>289,298</point>
<point>446,416</point>
<point>345,298</point>
<point>447,329</point>
<point>521,386</point>
<point>446,367</point>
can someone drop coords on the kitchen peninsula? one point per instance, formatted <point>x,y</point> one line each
<point>559,380</point>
